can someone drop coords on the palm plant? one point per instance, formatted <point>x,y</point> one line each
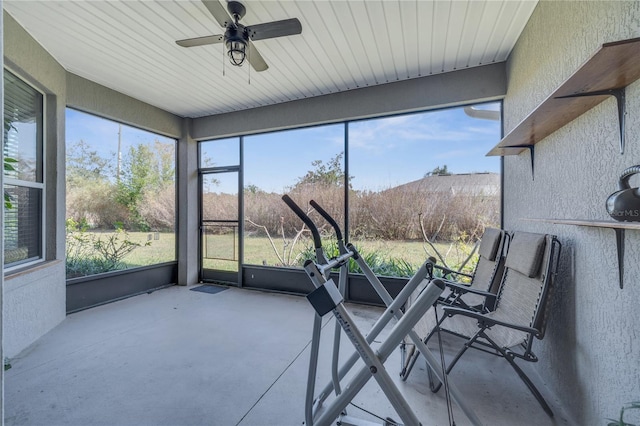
<point>620,421</point>
<point>8,167</point>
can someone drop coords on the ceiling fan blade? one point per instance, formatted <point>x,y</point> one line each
<point>200,41</point>
<point>255,58</point>
<point>273,29</point>
<point>218,11</point>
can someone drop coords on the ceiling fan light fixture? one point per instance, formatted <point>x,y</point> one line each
<point>236,43</point>
<point>237,37</point>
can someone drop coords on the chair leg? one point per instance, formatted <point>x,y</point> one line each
<point>532,388</point>
<point>414,354</point>
<point>408,359</point>
<point>435,388</point>
<point>432,378</point>
<point>530,385</point>
<point>411,360</point>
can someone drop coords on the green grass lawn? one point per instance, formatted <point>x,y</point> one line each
<point>259,251</point>
<point>162,248</point>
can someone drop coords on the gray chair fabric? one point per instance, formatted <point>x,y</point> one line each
<point>488,271</point>
<point>491,239</point>
<point>525,253</point>
<point>486,277</point>
<point>521,310</point>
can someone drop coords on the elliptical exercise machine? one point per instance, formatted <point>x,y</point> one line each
<point>327,297</point>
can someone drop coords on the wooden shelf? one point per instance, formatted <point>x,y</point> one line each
<point>593,223</point>
<point>613,67</point>
<point>618,227</point>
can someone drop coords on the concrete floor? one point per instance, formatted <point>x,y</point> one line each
<point>238,357</point>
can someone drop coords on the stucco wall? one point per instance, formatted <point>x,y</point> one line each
<point>94,98</point>
<point>591,354</point>
<point>34,300</point>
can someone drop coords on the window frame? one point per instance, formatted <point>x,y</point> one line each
<point>175,143</point>
<point>42,186</point>
<point>347,161</point>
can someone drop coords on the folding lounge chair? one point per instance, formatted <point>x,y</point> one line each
<point>521,309</point>
<point>486,277</point>
<point>479,294</point>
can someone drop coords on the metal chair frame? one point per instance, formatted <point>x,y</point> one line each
<point>455,298</point>
<point>483,342</point>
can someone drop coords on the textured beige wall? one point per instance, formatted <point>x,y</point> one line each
<point>591,355</point>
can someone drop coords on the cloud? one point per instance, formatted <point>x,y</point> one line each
<point>452,154</point>
<point>436,127</point>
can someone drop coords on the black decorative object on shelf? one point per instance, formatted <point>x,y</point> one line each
<point>624,205</point>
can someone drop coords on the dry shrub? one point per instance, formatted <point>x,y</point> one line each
<point>264,209</point>
<point>159,209</point>
<point>394,214</point>
<point>219,206</point>
<point>94,204</point>
<point>268,210</point>
<point>330,198</point>
<point>388,215</point>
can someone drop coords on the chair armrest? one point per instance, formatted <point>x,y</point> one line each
<point>448,271</point>
<point>455,283</point>
<point>488,321</point>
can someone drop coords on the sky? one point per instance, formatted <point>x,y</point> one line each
<point>102,134</point>
<point>383,152</point>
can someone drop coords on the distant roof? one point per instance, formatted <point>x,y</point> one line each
<point>467,183</point>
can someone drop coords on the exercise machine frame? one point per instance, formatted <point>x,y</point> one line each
<point>330,298</point>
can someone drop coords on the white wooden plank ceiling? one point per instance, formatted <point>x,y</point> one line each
<point>129,46</point>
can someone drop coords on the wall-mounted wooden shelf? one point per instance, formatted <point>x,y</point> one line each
<point>618,227</point>
<point>613,67</point>
<point>592,223</point>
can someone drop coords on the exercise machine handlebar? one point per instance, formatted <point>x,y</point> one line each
<point>328,218</point>
<point>305,218</point>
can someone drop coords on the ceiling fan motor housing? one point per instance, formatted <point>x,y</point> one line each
<point>236,9</point>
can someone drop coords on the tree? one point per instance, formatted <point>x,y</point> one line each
<point>252,189</point>
<point>86,166</point>
<point>145,170</point>
<point>91,187</point>
<point>439,171</point>
<point>330,174</point>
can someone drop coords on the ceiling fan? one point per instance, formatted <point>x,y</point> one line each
<point>239,38</point>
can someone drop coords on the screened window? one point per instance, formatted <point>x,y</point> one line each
<point>121,208</point>
<point>401,188</point>
<point>23,172</point>
<point>307,164</point>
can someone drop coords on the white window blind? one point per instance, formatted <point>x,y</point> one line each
<point>23,178</point>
